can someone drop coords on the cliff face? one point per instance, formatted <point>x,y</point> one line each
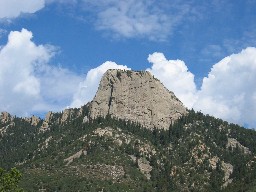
<point>138,97</point>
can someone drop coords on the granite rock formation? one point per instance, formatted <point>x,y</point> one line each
<point>136,96</point>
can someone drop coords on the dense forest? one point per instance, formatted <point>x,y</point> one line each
<point>197,153</point>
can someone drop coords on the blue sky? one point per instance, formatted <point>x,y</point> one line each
<point>183,43</point>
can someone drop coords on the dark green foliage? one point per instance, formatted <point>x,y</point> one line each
<point>216,178</point>
<point>129,73</point>
<point>118,75</point>
<point>9,180</point>
<point>181,160</point>
<point>19,142</point>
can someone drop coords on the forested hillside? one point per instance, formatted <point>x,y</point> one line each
<point>197,153</point>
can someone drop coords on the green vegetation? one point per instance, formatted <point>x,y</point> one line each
<point>9,180</point>
<point>104,154</point>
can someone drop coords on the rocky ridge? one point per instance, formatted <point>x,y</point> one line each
<point>136,96</point>
<point>62,118</point>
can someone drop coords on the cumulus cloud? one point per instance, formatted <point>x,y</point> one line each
<point>132,18</point>
<point>28,84</point>
<point>175,76</point>
<point>17,83</point>
<point>229,91</point>
<point>13,8</point>
<point>88,88</point>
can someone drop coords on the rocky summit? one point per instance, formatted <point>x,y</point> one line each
<point>136,96</point>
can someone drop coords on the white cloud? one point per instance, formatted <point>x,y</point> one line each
<point>28,84</point>
<point>88,88</point>
<point>229,91</point>
<point>13,8</point>
<point>175,76</point>
<point>133,18</point>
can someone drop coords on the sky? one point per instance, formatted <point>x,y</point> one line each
<point>53,53</point>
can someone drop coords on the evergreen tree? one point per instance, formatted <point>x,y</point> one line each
<point>9,180</point>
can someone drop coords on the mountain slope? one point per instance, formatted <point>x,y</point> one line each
<point>195,154</point>
<point>75,151</point>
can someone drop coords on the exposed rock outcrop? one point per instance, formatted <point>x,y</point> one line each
<point>75,156</point>
<point>228,170</point>
<point>34,120</point>
<point>233,143</point>
<point>145,167</point>
<point>226,167</point>
<point>5,117</point>
<point>6,121</point>
<point>62,118</point>
<point>46,122</point>
<point>138,97</point>
<point>69,114</point>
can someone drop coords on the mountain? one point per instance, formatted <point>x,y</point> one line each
<point>138,97</point>
<point>115,143</point>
